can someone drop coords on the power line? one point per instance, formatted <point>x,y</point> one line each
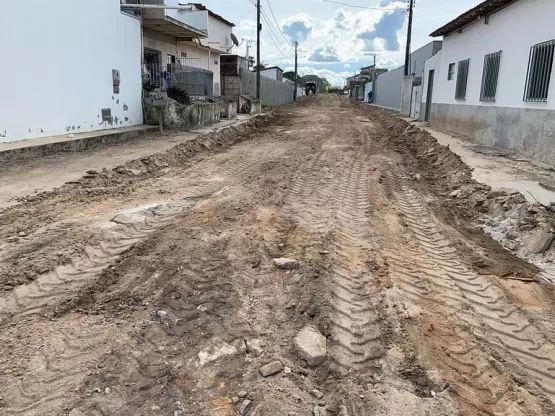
<point>359,7</point>
<point>275,20</point>
<point>272,35</point>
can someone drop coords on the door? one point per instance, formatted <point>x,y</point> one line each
<point>429,95</point>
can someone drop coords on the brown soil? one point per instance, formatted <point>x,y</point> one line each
<point>150,289</point>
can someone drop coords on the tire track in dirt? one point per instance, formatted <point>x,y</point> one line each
<point>54,369</point>
<point>47,289</point>
<point>357,339</point>
<point>473,299</point>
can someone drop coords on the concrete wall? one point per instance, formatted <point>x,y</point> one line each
<point>420,56</point>
<point>389,88</point>
<point>434,64</point>
<point>272,73</point>
<point>272,92</point>
<point>530,131</point>
<point>219,35</point>
<point>185,117</point>
<point>406,94</point>
<point>393,90</point>
<point>64,53</point>
<point>509,122</point>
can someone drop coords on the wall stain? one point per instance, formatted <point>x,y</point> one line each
<point>125,107</point>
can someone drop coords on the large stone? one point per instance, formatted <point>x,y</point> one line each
<point>540,241</point>
<point>311,346</point>
<point>271,368</point>
<point>284,263</point>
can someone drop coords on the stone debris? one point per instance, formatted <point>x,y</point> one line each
<point>455,194</point>
<point>245,407</point>
<point>317,394</point>
<point>271,368</point>
<point>285,263</point>
<point>216,350</point>
<point>242,394</point>
<point>160,313</point>
<point>255,347</point>
<point>540,241</point>
<point>311,346</point>
<point>76,412</point>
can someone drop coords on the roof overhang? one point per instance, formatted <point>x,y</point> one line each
<point>173,27</point>
<point>486,8</point>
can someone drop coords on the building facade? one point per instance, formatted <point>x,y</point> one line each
<point>78,68</point>
<point>273,72</point>
<point>179,40</point>
<point>494,80</point>
<point>398,92</point>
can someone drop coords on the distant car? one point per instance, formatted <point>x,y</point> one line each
<point>310,88</point>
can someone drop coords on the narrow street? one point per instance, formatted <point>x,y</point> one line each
<point>151,289</point>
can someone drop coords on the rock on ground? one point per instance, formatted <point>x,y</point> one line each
<point>540,241</point>
<point>285,263</point>
<point>271,368</point>
<point>311,346</point>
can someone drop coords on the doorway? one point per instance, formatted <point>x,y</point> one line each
<point>429,95</point>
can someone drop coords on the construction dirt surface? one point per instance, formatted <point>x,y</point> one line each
<point>151,289</point>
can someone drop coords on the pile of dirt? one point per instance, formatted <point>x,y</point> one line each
<point>32,240</point>
<point>523,228</point>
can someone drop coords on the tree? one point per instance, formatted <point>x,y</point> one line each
<point>290,75</point>
<point>261,65</point>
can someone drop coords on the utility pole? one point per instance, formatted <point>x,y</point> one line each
<point>409,38</point>
<point>295,91</point>
<point>258,30</point>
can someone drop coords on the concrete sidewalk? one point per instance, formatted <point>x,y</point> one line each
<point>500,168</point>
<point>25,177</point>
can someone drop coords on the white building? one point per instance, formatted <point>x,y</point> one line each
<point>273,72</point>
<point>493,80</point>
<point>60,77</point>
<point>191,37</point>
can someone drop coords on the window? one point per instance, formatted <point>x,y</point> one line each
<point>183,54</point>
<point>490,76</point>
<point>451,73</point>
<point>540,67</point>
<point>462,79</point>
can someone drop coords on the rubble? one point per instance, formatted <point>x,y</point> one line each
<point>311,346</point>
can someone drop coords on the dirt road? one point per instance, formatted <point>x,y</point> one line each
<point>151,289</point>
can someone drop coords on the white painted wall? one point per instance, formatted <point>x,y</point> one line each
<point>269,73</point>
<point>61,58</point>
<point>219,35</point>
<point>512,30</point>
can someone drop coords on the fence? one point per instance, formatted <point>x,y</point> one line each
<point>272,92</point>
<point>181,74</point>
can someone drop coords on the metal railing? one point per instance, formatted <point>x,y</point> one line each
<point>194,81</point>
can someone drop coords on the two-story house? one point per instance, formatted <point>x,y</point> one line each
<point>179,37</point>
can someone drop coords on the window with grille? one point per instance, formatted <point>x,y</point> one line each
<point>492,63</point>
<point>540,67</point>
<point>462,79</point>
<point>451,72</point>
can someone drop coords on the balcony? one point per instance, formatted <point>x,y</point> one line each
<point>178,23</point>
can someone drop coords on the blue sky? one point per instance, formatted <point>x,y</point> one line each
<point>335,40</point>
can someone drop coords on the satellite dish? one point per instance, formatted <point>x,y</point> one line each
<point>234,39</point>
